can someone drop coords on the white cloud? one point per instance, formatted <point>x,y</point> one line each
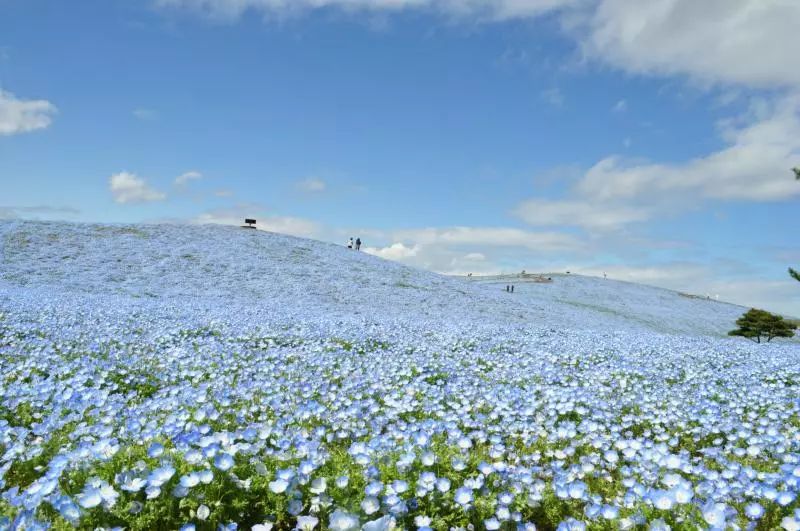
<point>236,215</point>
<point>754,166</point>
<point>22,116</point>
<point>620,106</point>
<point>741,42</point>
<point>490,237</point>
<point>128,188</point>
<point>223,193</point>
<point>460,250</point>
<point>312,185</point>
<point>397,251</point>
<point>580,213</point>
<point>731,42</point>
<point>184,178</point>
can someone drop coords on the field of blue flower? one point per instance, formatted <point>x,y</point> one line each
<point>140,395</point>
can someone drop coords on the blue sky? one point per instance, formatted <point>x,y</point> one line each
<point>633,138</point>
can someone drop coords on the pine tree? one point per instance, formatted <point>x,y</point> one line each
<point>757,324</point>
<point>795,274</point>
<point>796,173</point>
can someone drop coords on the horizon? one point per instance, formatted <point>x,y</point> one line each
<point>457,136</point>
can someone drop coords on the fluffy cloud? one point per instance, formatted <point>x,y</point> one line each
<point>581,213</point>
<point>128,188</point>
<point>312,185</point>
<point>754,166</point>
<point>490,236</point>
<point>22,116</point>
<point>236,214</point>
<point>742,42</point>
<point>398,252</point>
<point>459,250</point>
<point>184,178</point>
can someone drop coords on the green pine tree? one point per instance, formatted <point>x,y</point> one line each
<point>757,324</point>
<point>796,173</point>
<point>795,274</point>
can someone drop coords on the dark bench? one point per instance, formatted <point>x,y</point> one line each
<point>249,223</point>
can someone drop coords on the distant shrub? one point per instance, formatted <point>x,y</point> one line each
<point>757,324</point>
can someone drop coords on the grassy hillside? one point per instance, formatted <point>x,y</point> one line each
<point>277,272</point>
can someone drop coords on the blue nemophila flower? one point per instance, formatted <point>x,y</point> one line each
<point>609,512</point>
<point>785,498</point>
<point>190,480</point>
<point>385,523</point>
<point>659,525</point>
<point>374,488</point>
<point>193,456</point>
<point>318,486</point>
<point>295,507</point>
<point>442,484</point>
<point>662,500</point>
<point>754,511</point>
<point>342,481</point>
<point>571,524</point>
<point>370,505</point>
<point>491,524</point>
<point>715,514</point>
<point>278,486</point>
<point>458,464</point>
<point>428,458</point>
<point>307,523</point>
<point>160,475</point>
<point>398,486</point>
<point>223,461</point>
<point>790,523</point>
<point>341,520</point>
<point>155,450</point>
<point>463,496</point>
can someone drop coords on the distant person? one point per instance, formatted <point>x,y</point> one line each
<point>512,288</point>
<point>508,288</point>
<point>350,244</point>
<point>358,244</point>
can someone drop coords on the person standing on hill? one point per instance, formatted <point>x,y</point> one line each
<point>350,244</point>
<point>358,244</point>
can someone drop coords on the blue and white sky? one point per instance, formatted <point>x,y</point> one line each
<point>652,140</point>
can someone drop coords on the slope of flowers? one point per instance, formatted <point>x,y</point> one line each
<point>207,412</point>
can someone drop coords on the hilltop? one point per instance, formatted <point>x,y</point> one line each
<point>219,267</point>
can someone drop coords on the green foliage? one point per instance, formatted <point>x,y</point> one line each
<point>794,274</point>
<point>796,173</point>
<point>758,324</point>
